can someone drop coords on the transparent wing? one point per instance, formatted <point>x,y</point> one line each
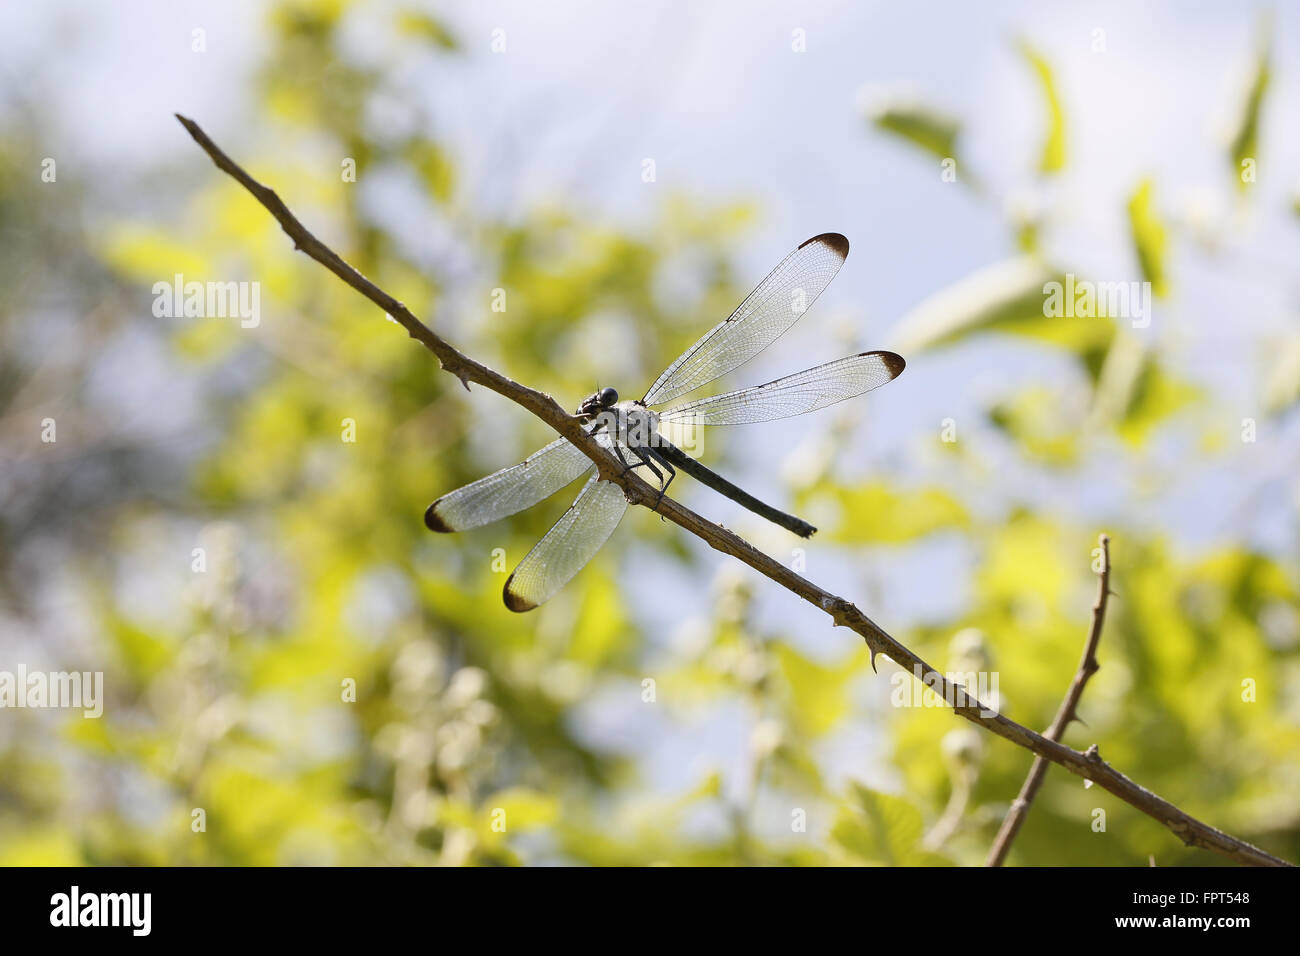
<point>795,394</point>
<point>510,490</point>
<point>788,291</point>
<point>568,546</point>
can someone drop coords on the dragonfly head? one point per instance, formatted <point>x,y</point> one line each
<point>598,402</point>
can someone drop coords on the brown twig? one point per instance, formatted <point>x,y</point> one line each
<point>1067,712</point>
<point>842,613</point>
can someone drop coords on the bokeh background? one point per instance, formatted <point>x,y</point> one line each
<point>504,146</point>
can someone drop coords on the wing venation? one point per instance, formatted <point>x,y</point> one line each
<point>776,304</point>
<point>568,546</point>
<point>791,395</point>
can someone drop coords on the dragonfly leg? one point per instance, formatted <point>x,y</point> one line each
<point>645,460</point>
<point>618,450</point>
<point>626,465</point>
<point>672,473</point>
<point>598,427</point>
<point>646,457</point>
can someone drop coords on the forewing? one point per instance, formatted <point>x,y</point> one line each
<point>509,490</point>
<point>568,546</point>
<point>795,394</point>
<point>788,291</point>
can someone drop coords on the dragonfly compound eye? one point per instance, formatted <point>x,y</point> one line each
<point>607,397</point>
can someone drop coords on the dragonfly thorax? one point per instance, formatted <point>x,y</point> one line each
<point>630,422</point>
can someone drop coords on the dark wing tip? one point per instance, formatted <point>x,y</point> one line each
<point>833,240</point>
<point>435,523</point>
<point>513,601</point>
<point>894,362</point>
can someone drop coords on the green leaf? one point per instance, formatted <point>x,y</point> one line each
<point>882,829</point>
<point>876,513</point>
<point>143,653</point>
<point>521,809</point>
<point>433,166</point>
<point>1034,417</point>
<point>1149,237</point>
<point>1053,155</point>
<point>418,24</point>
<point>1244,144</point>
<point>41,846</point>
<point>1134,393</point>
<point>1156,397</point>
<point>819,694</point>
<point>916,122</point>
<point>1009,296</point>
<point>146,254</point>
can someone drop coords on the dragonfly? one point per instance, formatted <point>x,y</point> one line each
<point>631,429</point>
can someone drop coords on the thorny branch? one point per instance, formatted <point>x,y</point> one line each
<point>1068,711</point>
<point>842,612</point>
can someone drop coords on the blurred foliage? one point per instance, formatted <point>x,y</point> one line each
<point>1149,237</point>
<point>1053,157</point>
<point>920,124</point>
<point>1244,144</point>
<point>337,686</point>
